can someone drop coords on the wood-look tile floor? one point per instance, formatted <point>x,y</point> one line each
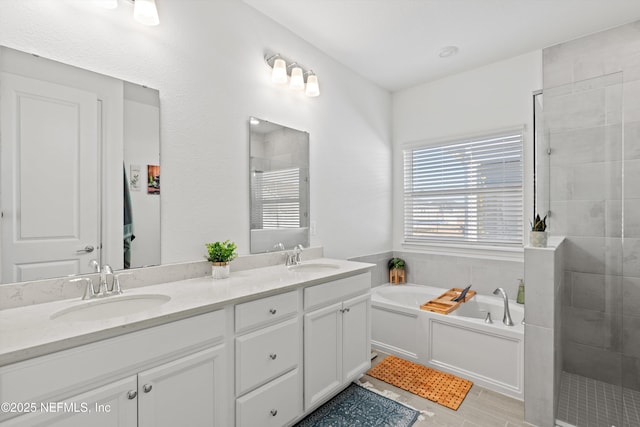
<point>481,407</point>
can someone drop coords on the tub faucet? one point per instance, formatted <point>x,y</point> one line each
<point>506,319</point>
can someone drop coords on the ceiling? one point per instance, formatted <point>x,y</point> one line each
<point>396,43</point>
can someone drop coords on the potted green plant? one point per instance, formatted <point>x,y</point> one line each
<point>396,270</point>
<point>538,234</point>
<point>220,256</point>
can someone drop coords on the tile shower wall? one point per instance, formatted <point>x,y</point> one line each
<point>592,122</point>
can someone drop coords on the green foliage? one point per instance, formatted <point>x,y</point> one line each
<point>396,264</point>
<point>539,224</point>
<point>221,251</point>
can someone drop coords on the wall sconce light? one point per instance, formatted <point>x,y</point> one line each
<point>144,11</point>
<point>294,74</point>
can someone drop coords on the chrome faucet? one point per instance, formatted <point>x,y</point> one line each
<point>103,285</point>
<point>294,257</point>
<point>506,319</point>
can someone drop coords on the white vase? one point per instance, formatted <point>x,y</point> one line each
<point>538,239</point>
<point>220,270</point>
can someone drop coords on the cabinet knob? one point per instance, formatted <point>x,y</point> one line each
<point>132,394</point>
<point>273,356</point>
<point>347,309</point>
<point>147,388</point>
<point>274,412</point>
<point>272,310</point>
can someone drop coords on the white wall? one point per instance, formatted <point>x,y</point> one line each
<point>496,96</point>
<point>206,58</point>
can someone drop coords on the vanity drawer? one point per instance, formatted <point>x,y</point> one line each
<point>327,293</point>
<point>264,354</point>
<point>273,405</point>
<point>254,313</point>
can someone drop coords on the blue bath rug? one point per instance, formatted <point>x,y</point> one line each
<point>357,406</point>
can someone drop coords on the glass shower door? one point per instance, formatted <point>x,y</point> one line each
<point>583,127</point>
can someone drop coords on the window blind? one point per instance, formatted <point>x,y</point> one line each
<point>467,191</point>
<point>278,194</point>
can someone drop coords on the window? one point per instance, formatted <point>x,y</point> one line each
<point>277,194</point>
<point>466,191</point>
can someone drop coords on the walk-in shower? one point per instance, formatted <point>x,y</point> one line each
<point>587,174</point>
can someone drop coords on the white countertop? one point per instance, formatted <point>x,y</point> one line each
<point>27,332</point>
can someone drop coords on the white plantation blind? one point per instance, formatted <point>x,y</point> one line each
<point>467,191</point>
<point>278,193</point>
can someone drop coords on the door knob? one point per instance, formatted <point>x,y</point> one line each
<point>87,249</point>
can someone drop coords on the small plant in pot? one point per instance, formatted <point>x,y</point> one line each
<point>396,270</point>
<point>538,235</point>
<point>220,255</point>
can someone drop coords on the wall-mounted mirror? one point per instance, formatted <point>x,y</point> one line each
<point>79,170</point>
<point>279,179</point>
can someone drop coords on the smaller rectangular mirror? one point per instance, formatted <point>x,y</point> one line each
<point>279,180</point>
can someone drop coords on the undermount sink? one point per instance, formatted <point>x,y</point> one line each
<point>313,267</point>
<point>108,307</point>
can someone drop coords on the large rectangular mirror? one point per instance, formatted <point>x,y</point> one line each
<point>279,179</point>
<point>79,170</point>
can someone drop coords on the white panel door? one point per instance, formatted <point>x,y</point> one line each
<point>49,206</point>
<point>322,353</point>
<point>190,391</point>
<point>356,336</point>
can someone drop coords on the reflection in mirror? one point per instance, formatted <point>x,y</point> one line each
<point>75,155</point>
<point>279,177</point>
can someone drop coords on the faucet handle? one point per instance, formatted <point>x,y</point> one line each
<point>488,319</point>
<point>117,289</point>
<point>89,292</point>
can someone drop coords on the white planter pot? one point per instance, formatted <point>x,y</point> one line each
<point>538,239</point>
<point>220,270</point>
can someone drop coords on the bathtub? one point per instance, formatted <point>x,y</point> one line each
<point>461,343</point>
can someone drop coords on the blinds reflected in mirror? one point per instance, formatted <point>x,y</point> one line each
<point>277,199</point>
<point>465,191</point>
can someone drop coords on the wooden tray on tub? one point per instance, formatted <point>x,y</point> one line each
<point>443,303</point>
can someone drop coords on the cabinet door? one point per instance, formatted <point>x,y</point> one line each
<point>113,405</point>
<point>322,353</point>
<point>356,336</point>
<point>188,391</point>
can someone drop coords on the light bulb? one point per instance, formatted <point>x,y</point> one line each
<point>312,86</point>
<point>146,12</point>
<point>279,74</point>
<point>297,79</point>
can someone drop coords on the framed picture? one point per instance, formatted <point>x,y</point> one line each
<point>153,173</point>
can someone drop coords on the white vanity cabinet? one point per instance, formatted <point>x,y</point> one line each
<point>111,405</point>
<point>161,376</point>
<point>337,336</point>
<point>186,390</point>
<point>268,383</point>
